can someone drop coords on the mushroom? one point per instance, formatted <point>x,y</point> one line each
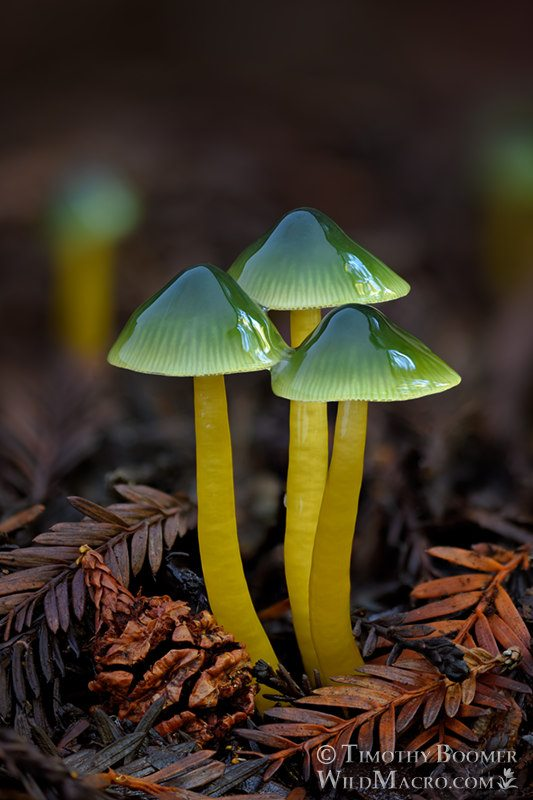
<point>355,356</point>
<point>305,263</point>
<point>91,213</point>
<point>202,324</point>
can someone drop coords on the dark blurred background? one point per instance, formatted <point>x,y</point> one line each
<point>411,124</point>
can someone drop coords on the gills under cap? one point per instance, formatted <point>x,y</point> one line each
<point>307,261</point>
<point>356,353</point>
<point>200,323</point>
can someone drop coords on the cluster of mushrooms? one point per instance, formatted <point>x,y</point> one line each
<point>207,323</point>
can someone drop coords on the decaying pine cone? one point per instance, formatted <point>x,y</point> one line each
<point>146,648</point>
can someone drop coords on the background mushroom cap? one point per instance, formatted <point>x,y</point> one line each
<point>356,353</point>
<point>307,261</point>
<point>94,206</point>
<point>200,323</point>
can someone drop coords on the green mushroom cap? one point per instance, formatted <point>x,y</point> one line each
<point>94,206</point>
<point>307,261</point>
<point>200,323</point>
<point>356,353</point>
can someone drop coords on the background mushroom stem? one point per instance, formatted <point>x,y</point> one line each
<point>306,479</point>
<point>83,296</point>
<point>331,626</point>
<point>223,571</point>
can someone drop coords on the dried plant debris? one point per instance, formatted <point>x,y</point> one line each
<point>439,650</point>
<point>281,681</point>
<point>49,423</point>
<point>43,599</point>
<point>390,700</point>
<point>471,609</point>
<point>150,649</point>
<point>21,518</point>
<point>26,773</point>
<point>414,704</point>
<point>126,534</point>
<point>436,674</point>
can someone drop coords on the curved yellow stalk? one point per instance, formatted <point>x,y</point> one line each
<point>331,626</point>
<point>308,465</point>
<point>83,297</point>
<point>224,577</point>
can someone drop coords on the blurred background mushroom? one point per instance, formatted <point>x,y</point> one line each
<point>406,123</point>
<point>90,214</point>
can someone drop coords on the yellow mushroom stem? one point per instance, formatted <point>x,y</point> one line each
<point>83,297</point>
<point>222,567</point>
<point>331,625</point>
<point>306,479</point>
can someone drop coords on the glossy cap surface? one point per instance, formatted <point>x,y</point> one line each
<point>307,261</point>
<point>201,323</point>
<point>356,353</point>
